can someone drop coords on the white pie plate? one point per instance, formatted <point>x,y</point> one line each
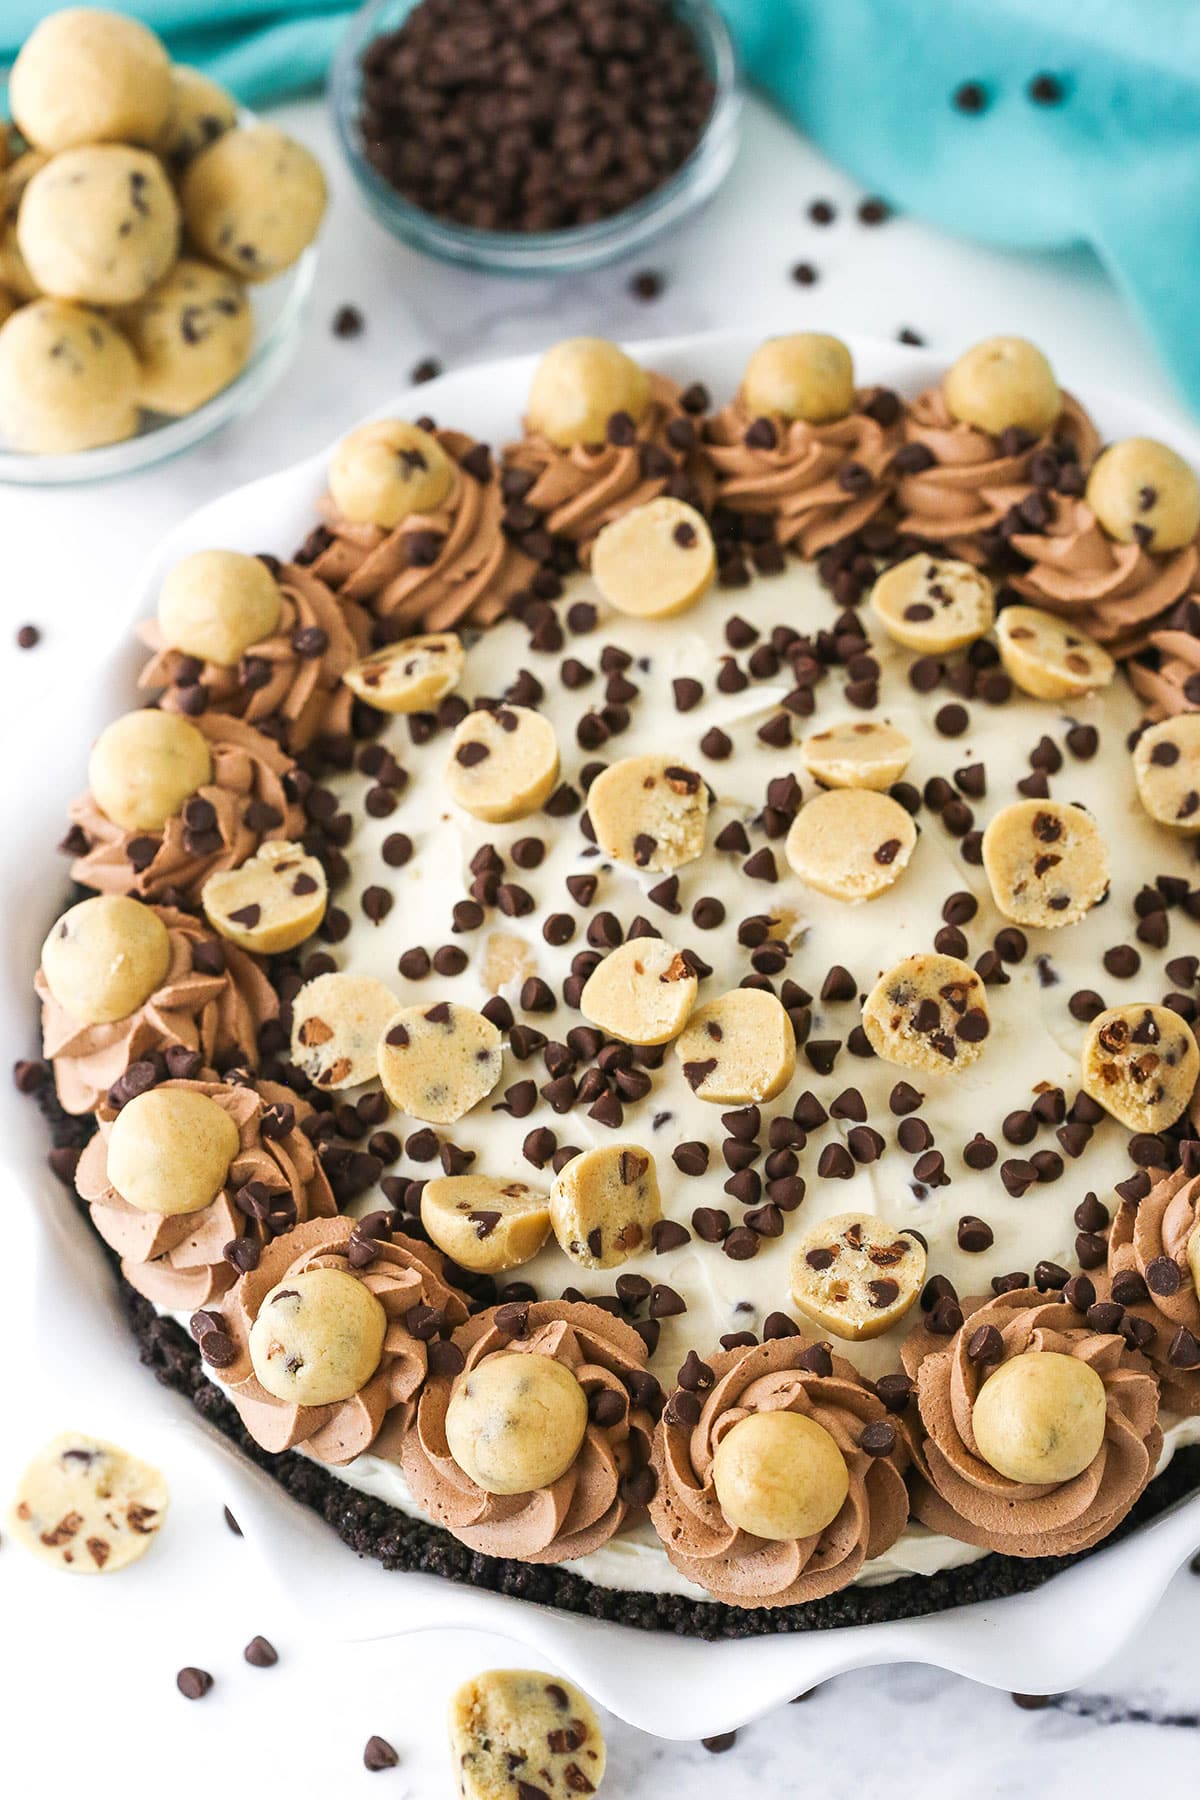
<point>1044,1641</point>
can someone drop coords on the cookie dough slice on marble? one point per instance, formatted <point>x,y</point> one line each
<point>578,386</point>
<point>1141,1064</point>
<point>386,470</point>
<point>654,561</point>
<point>858,753</point>
<point>272,903</point>
<point>929,1013</point>
<point>517,1729</point>
<point>516,1422</point>
<point>411,675</point>
<point>641,993</point>
<point>488,1223</point>
<point>1049,657</point>
<point>145,765</point>
<point>104,958</point>
<point>1166,767</point>
<point>649,812</point>
<point>99,225</point>
<point>253,201</point>
<point>851,844</point>
<point>87,1506</point>
<point>437,1062</point>
<point>934,604</point>
<point>738,1049</point>
<point>856,1275</point>
<point>503,764</point>
<point>604,1203</point>
<point>68,380</point>
<point>317,1338</point>
<point>215,604</point>
<point>1142,492</point>
<point>1046,863</point>
<point>337,1022</point>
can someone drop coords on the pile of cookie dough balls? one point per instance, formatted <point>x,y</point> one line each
<point>134,213</point>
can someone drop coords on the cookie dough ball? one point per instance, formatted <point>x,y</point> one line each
<point>99,224</point>
<point>386,470</point>
<point>191,334</point>
<point>804,376</point>
<point>852,844</point>
<point>272,903</point>
<point>1048,657</point>
<point>487,1223</point>
<point>1166,767</point>
<point>928,1013</point>
<point>337,1022</point>
<point>512,1719</point>
<point>410,676</point>
<point>655,560</point>
<point>215,604</point>
<point>88,1507</point>
<point>604,1204</point>
<point>437,1062</point>
<point>859,753</point>
<point>1039,1418</point>
<point>780,1475</point>
<point>105,957</point>
<point>1142,492</point>
<point>933,604</point>
<point>198,112</point>
<point>1046,863</point>
<point>856,1275</point>
<point>516,1422</point>
<point>14,271</point>
<point>641,993</point>
<point>739,1049</point>
<point>649,812</point>
<point>90,77</point>
<point>578,386</point>
<point>503,764</point>
<point>253,201</point>
<point>1001,383</point>
<point>1141,1064</point>
<point>68,380</point>
<point>318,1338</point>
<point>169,1151</point>
<point>145,765</point>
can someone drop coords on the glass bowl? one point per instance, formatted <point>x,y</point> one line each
<point>575,247</point>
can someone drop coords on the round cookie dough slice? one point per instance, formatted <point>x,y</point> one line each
<point>68,380</point>
<point>851,844</point>
<point>1141,1064</point>
<point>410,676</point>
<point>1049,657</point>
<point>272,903</point>
<point>641,993</point>
<point>1046,863</point>
<point>387,470</point>
<point>337,1022</point>
<point>856,1275</point>
<point>858,753</point>
<point>604,1203</point>
<point>215,604</point>
<point>99,225</point>
<point>933,604</point>
<point>87,1506</point>
<point>649,812</point>
<point>516,1422</point>
<point>317,1338</point>
<point>805,375</point>
<point>104,958</point>
<point>145,765</point>
<point>169,1151</point>
<point>191,334</point>
<point>1001,383</point>
<point>437,1062</point>
<point>487,1223</point>
<point>503,764</point>
<point>929,1013</point>
<point>198,111</point>
<point>253,201</point>
<point>655,560</point>
<point>578,386</point>
<point>509,1720</point>
<point>780,1476</point>
<point>1144,493</point>
<point>1039,1418</point>
<point>1166,767</point>
<point>738,1049</point>
<point>87,77</point>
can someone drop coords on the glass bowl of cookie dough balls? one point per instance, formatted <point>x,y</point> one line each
<point>156,253</point>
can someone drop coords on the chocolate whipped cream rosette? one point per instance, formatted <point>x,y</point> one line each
<point>325,1344</point>
<point>532,1436</point>
<point>780,1473</point>
<point>987,450</point>
<point>802,447</point>
<point>1150,1292</point>
<point>249,638</point>
<point>1040,1430</point>
<point>188,1181</point>
<point>125,985</point>
<point>1166,674</point>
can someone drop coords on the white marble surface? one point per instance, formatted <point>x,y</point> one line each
<point>87,1668</point>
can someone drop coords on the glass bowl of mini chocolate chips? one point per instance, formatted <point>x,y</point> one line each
<point>536,137</point>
